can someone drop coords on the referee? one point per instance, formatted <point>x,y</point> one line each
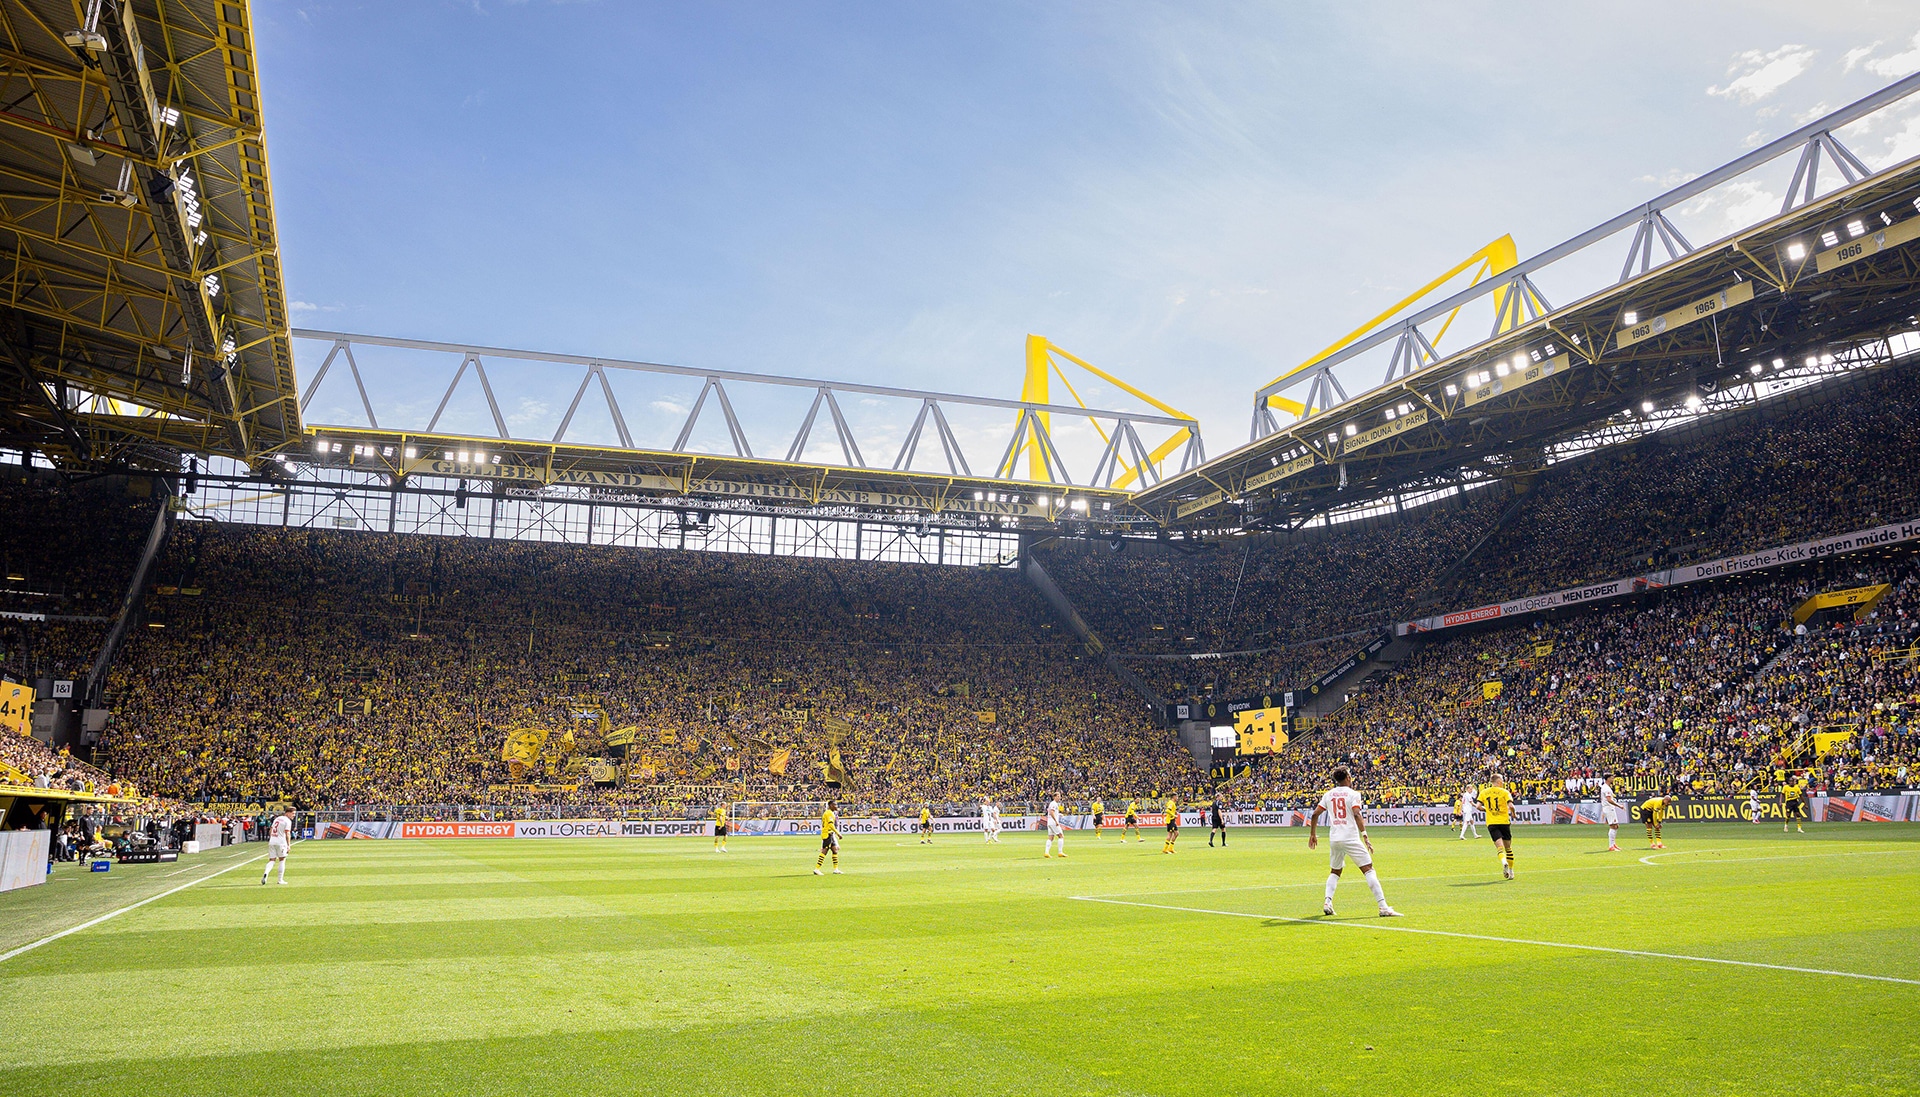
<point>1219,821</point>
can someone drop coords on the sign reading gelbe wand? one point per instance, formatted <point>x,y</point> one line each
<point>732,489</point>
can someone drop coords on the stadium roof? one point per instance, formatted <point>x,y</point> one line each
<point>143,311</point>
<point>1778,300</point>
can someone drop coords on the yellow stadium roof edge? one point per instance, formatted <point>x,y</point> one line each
<point>142,275</point>
<point>964,477</point>
<point>400,455</point>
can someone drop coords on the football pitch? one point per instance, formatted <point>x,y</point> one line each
<point>1739,960</point>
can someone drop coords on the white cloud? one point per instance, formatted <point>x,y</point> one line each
<point>1903,144</point>
<point>530,411</point>
<point>1816,111</point>
<point>1900,64</point>
<point>668,407</point>
<point>1762,74</point>
<point>1854,56</point>
<point>309,306</point>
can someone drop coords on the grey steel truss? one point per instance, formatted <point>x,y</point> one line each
<point>1518,301</point>
<point>1125,452</point>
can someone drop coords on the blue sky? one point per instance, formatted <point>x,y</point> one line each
<point>1195,196</point>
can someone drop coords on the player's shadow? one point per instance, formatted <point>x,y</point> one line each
<point>1476,884</point>
<point>1283,923</point>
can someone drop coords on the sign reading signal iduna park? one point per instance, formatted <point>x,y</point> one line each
<point>1893,534</point>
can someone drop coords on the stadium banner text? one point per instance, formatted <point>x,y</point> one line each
<point>540,477</point>
<point>1890,534</point>
<point>1866,807</point>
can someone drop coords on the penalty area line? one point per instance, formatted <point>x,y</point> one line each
<point>5,956</point>
<point>1507,940</point>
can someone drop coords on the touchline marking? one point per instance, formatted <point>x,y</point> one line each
<point>1506,940</point>
<point>5,956</point>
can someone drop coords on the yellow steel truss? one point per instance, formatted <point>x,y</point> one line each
<point>1042,367</point>
<point>1498,255</point>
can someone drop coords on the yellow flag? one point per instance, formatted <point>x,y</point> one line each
<point>777,765</point>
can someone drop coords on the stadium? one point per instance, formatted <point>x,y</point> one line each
<point>690,726</point>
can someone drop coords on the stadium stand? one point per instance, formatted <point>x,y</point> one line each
<point>366,667</point>
<point>354,667</point>
<point>68,551</point>
<point>1780,472</point>
<point>1707,690</point>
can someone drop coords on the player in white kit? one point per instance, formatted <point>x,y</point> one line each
<point>1468,801</point>
<point>1346,838</point>
<point>1056,827</point>
<point>989,821</point>
<point>279,837</point>
<point>1611,809</point>
<point>1753,805</point>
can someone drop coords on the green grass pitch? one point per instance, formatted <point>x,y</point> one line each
<point>657,966</point>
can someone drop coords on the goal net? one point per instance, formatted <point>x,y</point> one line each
<point>772,816</point>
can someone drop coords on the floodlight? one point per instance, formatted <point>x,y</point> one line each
<point>1755,369</point>
<point>1352,430</point>
<point>1453,390</point>
<point>1796,251</point>
<point>1694,402</point>
<point>1829,238</point>
<point>1631,318</point>
<point>1856,228</point>
<point>1646,406</point>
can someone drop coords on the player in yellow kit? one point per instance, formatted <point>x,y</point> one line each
<point>1133,822</point>
<point>1653,812</point>
<point>829,839</point>
<point>926,824</point>
<point>1173,826</point>
<point>720,828</point>
<point>1497,802</point>
<point>1793,804</point>
<point>1099,815</point>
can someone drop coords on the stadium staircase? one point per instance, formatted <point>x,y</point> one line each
<point>130,605</point>
<point>1308,715</point>
<point>1036,574</point>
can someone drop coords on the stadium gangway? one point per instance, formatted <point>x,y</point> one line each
<point>1514,290</point>
<point>1124,455</point>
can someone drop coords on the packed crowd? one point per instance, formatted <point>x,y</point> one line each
<point>1765,477</point>
<point>69,550</point>
<point>1756,481</point>
<point>1270,589</point>
<point>1710,690</point>
<point>349,666</point>
<point>1237,674</point>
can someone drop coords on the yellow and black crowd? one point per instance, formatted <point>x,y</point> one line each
<point>351,667</point>
<point>346,667</point>
<point>1706,690</point>
<point>1768,476</point>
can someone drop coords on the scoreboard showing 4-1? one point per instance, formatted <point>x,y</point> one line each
<point>16,708</point>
